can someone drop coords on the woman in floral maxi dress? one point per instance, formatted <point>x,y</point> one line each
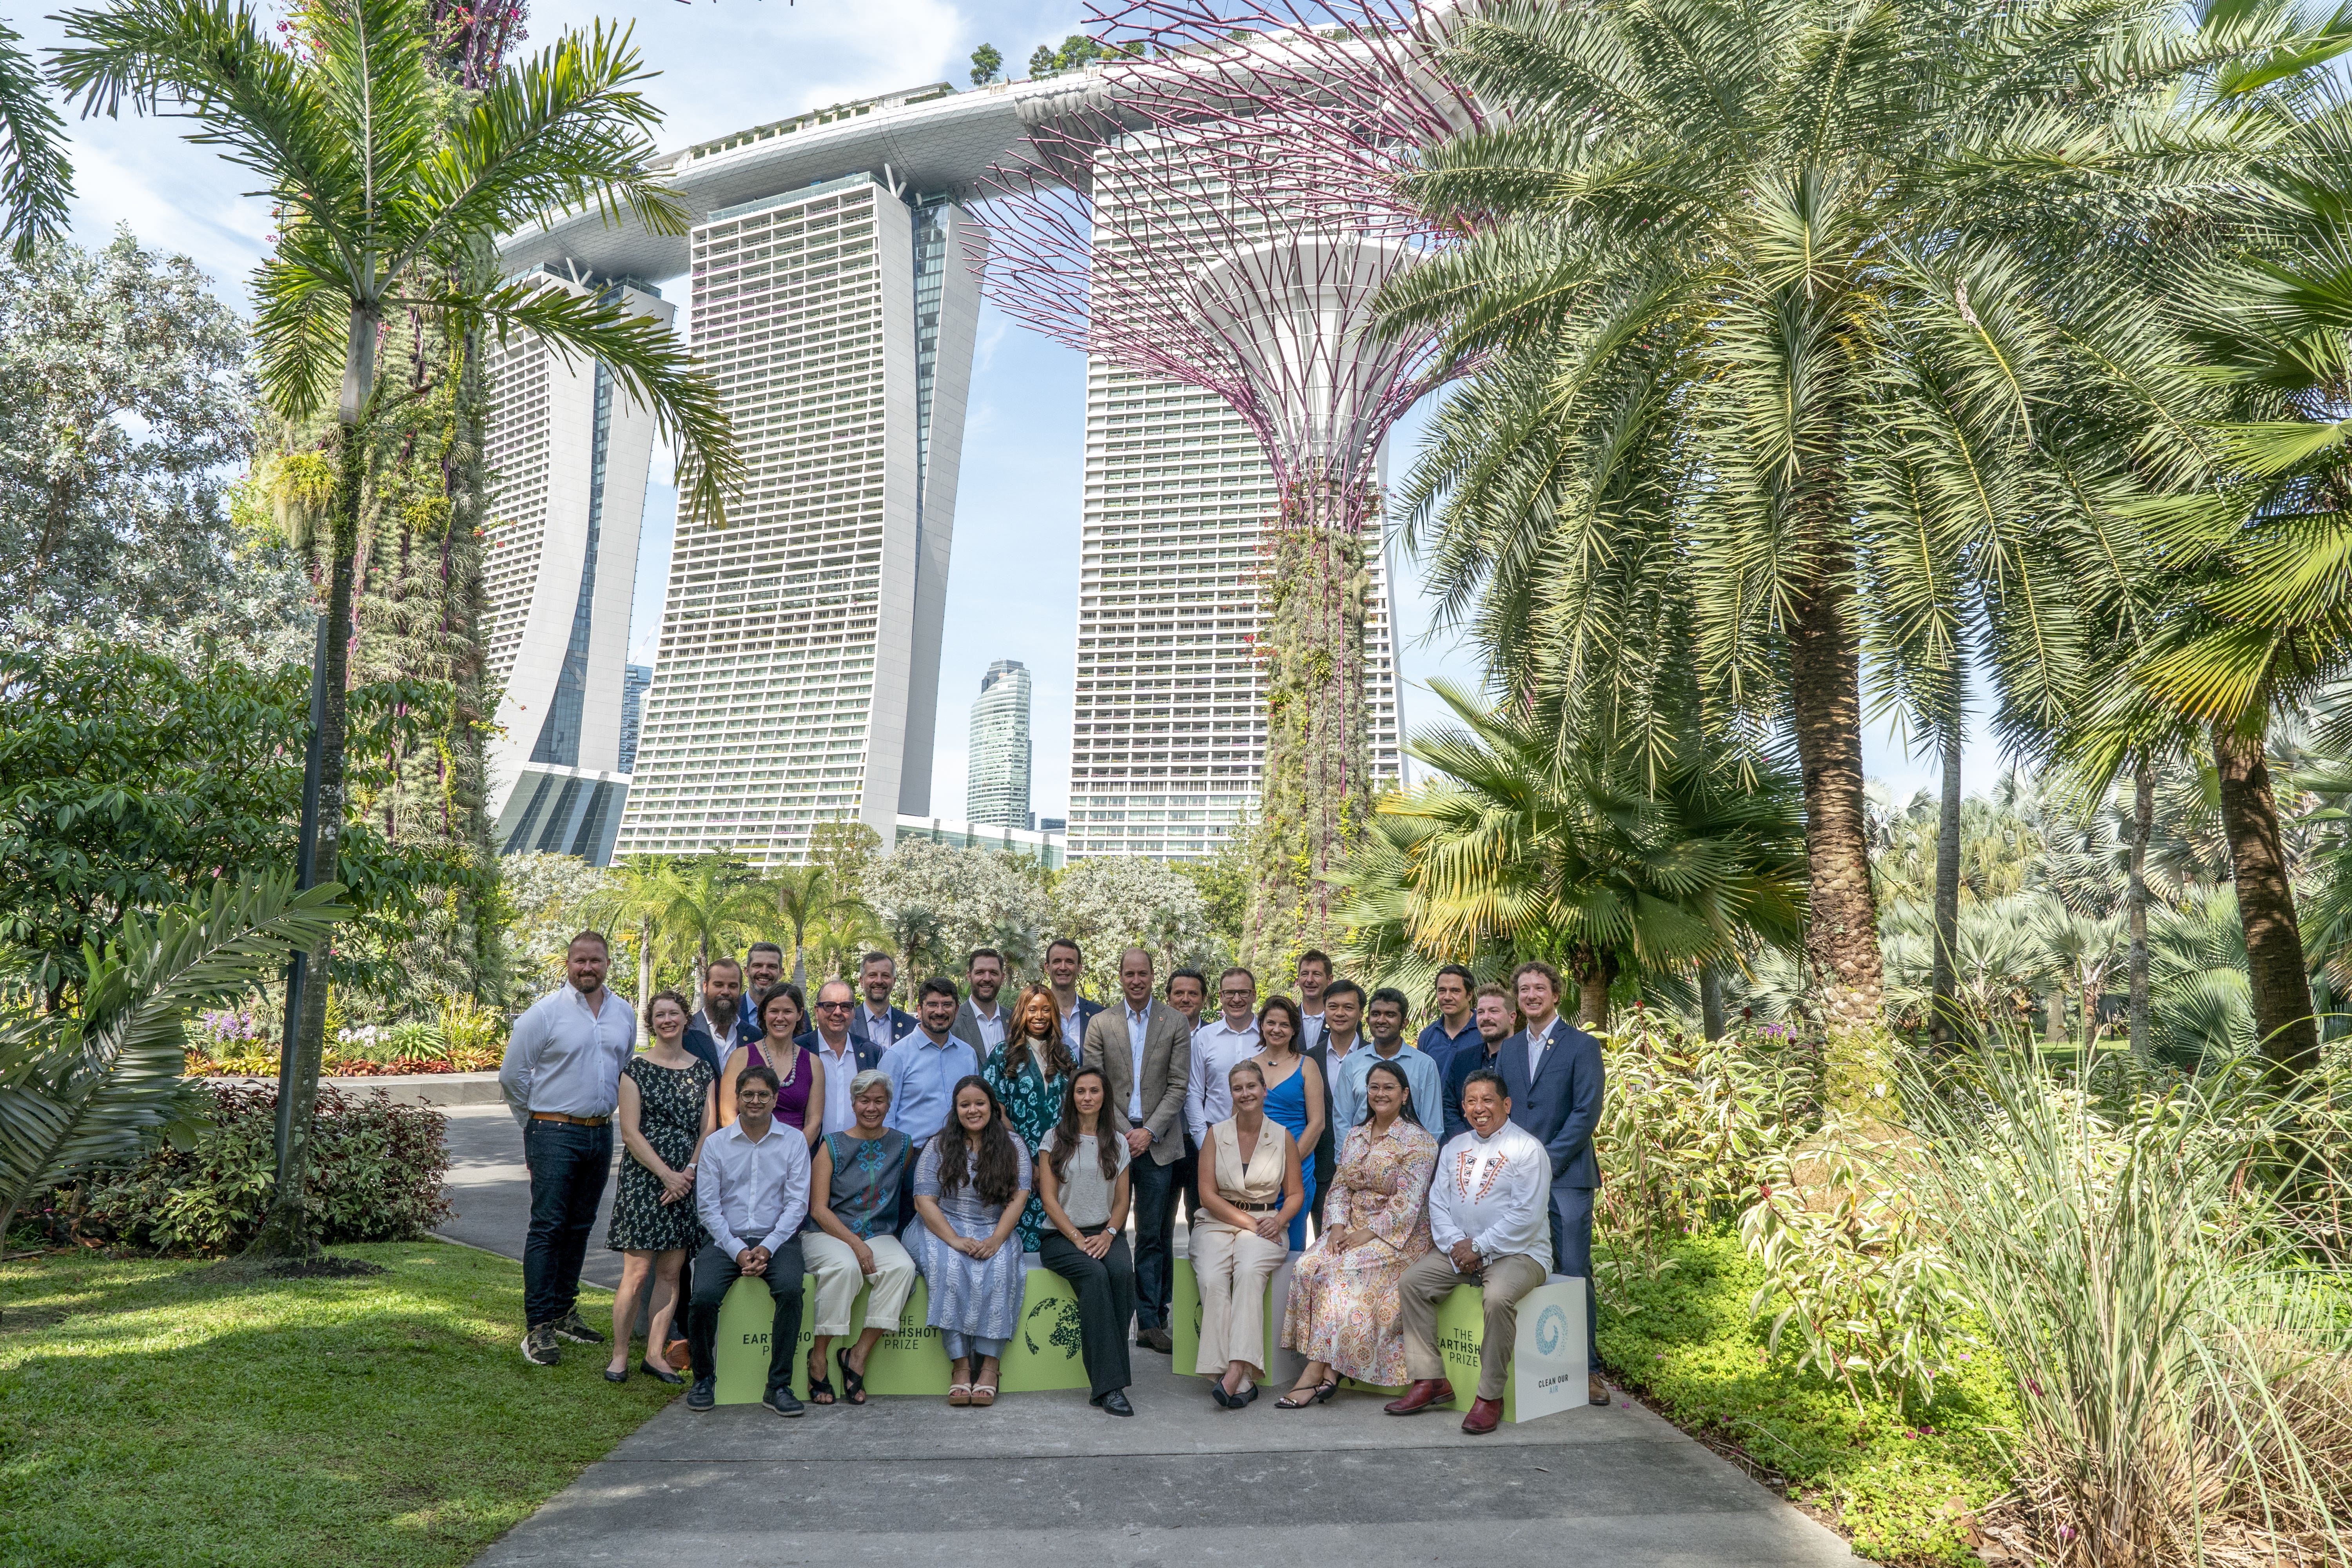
<point>1343,1313</point>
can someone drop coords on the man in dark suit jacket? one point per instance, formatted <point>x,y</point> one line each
<point>874,1018</point>
<point>1552,1071</point>
<point>1063,962</point>
<point>1147,1088</point>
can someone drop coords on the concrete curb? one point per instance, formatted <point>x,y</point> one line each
<point>405,1088</point>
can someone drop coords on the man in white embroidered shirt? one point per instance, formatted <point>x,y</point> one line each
<point>752,1193</point>
<point>1490,1220</point>
<point>561,1077</point>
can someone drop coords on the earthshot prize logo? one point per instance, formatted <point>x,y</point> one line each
<point>1550,1324</point>
<point>1062,1333</point>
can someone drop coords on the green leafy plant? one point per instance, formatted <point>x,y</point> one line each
<point>92,1082</point>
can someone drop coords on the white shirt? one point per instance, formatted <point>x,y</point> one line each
<point>1311,1026</point>
<point>1136,1024</point>
<point>564,1059</point>
<point>1208,1095</point>
<point>1072,1035</point>
<point>838,1072</point>
<point>723,1038</point>
<point>745,1189</point>
<point>990,1026</point>
<point>1537,1043</point>
<point>1497,1192</point>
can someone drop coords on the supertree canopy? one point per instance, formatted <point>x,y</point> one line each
<point>1215,205</point>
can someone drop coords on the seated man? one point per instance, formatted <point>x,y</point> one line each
<point>1490,1223</point>
<point>751,1190</point>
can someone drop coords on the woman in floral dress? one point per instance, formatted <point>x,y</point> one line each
<point>1343,1310</point>
<point>1029,1074</point>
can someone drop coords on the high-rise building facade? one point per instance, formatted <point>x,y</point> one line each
<point>569,452</point>
<point>1169,731</point>
<point>997,761</point>
<point>797,679</point>
<point>633,711</point>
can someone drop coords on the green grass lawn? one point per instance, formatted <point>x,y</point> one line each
<point>152,1416</point>
<point>1898,1487</point>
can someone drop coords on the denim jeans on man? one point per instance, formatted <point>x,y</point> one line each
<point>1155,1188</point>
<point>568,1166</point>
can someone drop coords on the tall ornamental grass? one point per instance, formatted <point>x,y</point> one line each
<point>2182,1380</point>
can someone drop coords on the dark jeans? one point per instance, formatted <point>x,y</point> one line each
<point>568,1166</point>
<point>1155,1189</point>
<point>1106,1297</point>
<point>1572,1253</point>
<point>714,1272</point>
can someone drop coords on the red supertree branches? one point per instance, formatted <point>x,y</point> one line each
<point>1215,205</point>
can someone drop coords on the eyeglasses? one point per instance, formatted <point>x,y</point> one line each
<point>833,1006</point>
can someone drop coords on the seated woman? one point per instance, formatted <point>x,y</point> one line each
<point>1082,1182</point>
<point>854,1189</point>
<point>1293,1091</point>
<point>1250,1188</point>
<point>1343,1313</point>
<point>970,1188</point>
<point>1029,1074</point>
<point>800,1076</point>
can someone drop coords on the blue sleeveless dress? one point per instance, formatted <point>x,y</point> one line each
<point>1287,1103</point>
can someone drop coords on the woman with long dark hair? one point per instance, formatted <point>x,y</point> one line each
<point>1293,1091</point>
<point>969,1187</point>
<point>1030,1074</point>
<point>1344,1314</point>
<point>1082,1182</point>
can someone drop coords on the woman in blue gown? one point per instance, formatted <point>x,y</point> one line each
<point>1294,1090</point>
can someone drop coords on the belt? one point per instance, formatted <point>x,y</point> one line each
<point>569,1121</point>
<point>1255,1208</point>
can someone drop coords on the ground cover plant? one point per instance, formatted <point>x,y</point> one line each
<point>155,1414</point>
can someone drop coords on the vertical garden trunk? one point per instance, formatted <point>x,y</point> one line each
<point>1710,1001</point>
<point>1943,1001</point>
<point>2143,829</point>
<point>1841,956</point>
<point>2287,1035</point>
<point>1316,785</point>
<point>285,1230</point>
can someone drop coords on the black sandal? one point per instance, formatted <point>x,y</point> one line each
<point>658,1371</point>
<point>853,1382</point>
<point>1299,1399</point>
<point>820,1385</point>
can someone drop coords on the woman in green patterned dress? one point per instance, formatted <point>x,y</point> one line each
<point>1030,1073</point>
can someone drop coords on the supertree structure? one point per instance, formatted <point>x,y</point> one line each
<point>1216,206</point>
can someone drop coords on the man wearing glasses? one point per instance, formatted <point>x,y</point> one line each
<point>843,1053</point>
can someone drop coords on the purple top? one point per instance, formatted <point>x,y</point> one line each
<point>793,1096</point>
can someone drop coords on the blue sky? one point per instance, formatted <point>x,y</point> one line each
<point>1012,591</point>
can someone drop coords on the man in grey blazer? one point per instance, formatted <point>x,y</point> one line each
<point>1145,1050</point>
<point>980,1022</point>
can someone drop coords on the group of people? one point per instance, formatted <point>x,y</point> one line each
<point>867,1146</point>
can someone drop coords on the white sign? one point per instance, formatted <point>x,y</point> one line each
<point>1547,1370</point>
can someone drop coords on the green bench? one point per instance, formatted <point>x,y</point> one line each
<point>1044,1354</point>
<point>1547,1371</point>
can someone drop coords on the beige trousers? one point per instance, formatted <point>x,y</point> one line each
<point>1233,1268</point>
<point>1429,1278</point>
<point>837,1280</point>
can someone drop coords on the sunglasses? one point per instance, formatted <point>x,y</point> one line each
<point>833,1006</point>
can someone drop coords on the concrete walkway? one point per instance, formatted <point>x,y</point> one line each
<point>1043,1477</point>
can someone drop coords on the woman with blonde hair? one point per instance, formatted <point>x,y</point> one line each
<point>1250,1188</point>
<point>667,1109</point>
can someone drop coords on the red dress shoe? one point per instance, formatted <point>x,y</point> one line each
<point>1486,1414</point>
<point>1422,1396</point>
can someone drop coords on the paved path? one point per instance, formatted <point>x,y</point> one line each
<point>1042,1477</point>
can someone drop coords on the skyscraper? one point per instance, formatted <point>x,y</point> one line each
<point>1169,729</point>
<point>798,673</point>
<point>569,453</point>
<point>996,768</point>
<point>633,711</point>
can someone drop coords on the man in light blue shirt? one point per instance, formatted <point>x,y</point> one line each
<point>562,1077</point>
<point>925,1067</point>
<point>1385,1018</point>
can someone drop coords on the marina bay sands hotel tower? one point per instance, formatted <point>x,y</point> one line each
<point>825,287</point>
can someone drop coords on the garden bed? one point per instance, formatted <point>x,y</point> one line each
<point>153,1414</point>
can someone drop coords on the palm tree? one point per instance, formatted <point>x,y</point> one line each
<point>387,197</point>
<point>1549,848</point>
<point>709,900</point>
<point>635,895</point>
<point>1817,304</point>
<point>806,895</point>
<point>36,181</point>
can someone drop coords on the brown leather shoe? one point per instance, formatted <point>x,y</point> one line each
<point>1486,1414</point>
<point>1595,1391</point>
<point>1421,1396</point>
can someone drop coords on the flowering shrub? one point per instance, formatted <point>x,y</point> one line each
<point>376,1172</point>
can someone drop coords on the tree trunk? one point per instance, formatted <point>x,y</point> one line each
<point>2288,1038</point>
<point>1943,1003</point>
<point>1710,1001</point>
<point>2143,1042</point>
<point>1842,955</point>
<point>285,1230</point>
<point>1592,999</point>
<point>2054,1015</point>
<point>644,964</point>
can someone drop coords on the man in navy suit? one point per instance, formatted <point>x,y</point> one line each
<point>1063,962</point>
<point>1553,1072</point>
<point>877,1022</point>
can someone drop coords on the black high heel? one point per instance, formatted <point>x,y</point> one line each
<point>1299,1400</point>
